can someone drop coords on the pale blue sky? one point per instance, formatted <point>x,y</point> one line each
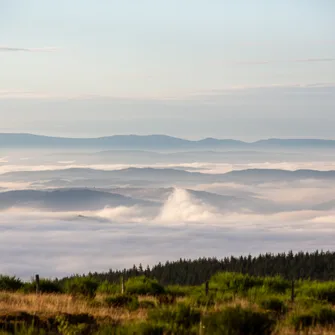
<point>147,51</point>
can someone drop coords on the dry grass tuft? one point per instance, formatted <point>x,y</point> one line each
<point>53,304</point>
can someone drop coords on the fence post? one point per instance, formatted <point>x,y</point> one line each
<point>292,291</point>
<point>207,288</point>
<point>37,281</point>
<point>122,284</point>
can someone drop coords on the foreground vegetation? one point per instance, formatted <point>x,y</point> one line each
<point>229,304</point>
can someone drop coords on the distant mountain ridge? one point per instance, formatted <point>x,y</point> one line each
<point>66,199</point>
<point>131,175</point>
<point>151,142</point>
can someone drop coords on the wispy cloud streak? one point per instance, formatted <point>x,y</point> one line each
<point>16,49</point>
<point>307,60</point>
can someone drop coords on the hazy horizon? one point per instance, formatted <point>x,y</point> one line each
<point>249,140</point>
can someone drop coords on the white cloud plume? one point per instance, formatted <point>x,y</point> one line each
<point>181,207</point>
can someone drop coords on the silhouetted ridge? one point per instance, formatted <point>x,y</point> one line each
<point>151,142</point>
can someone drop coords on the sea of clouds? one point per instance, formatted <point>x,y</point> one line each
<point>182,225</point>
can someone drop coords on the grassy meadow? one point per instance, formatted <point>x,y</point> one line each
<point>229,304</point>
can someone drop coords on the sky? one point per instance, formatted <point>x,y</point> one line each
<point>192,68</point>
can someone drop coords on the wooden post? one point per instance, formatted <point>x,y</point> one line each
<point>37,282</point>
<point>207,288</point>
<point>292,291</point>
<point>122,284</point>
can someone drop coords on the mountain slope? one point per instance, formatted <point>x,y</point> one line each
<point>66,200</point>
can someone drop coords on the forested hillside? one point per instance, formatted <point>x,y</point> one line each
<point>316,265</point>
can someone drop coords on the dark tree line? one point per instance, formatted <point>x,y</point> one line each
<point>316,265</point>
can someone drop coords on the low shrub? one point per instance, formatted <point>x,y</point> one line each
<point>319,315</point>
<point>224,297</point>
<point>45,286</point>
<point>131,329</point>
<point>26,330</point>
<point>83,286</point>
<point>21,323</point>
<point>236,283</point>
<point>302,320</point>
<point>108,288</point>
<point>276,284</point>
<point>202,300</point>
<point>182,291</point>
<point>144,286</point>
<point>179,318</point>
<point>66,328</point>
<point>123,301</point>
<point>147,304</point>
<point>256,293</point>
<point>320,291</point>
<point>76,324</point>
<point>237,321</point>
<point>273,304</point>
<point>8,283</point>
<point>166,299</point>
<point>307,302</point>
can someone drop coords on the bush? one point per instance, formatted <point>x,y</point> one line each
<point>84,286</point>
<point>76,324</point>
<point>224,297</point>
<point>21,323</point>
<point>317,316</point>
<point>237,321</point>
<point>46,286</point>
<point>320,291</point>
<point>166,299</point>
<point>308,303</point>
<point>130,329</point>
<point>273,304</point>
<point>302,320</point>
<point>108,288</point>
<point>182,291</point>
<point>276,284</point>
<point>202,300</point>
<point>8,283</point>
<point>234,282</point>
<point>147,304</point>
<point>123,301</point>
<point>144,286</point>
<point>178,319</point>
<point>238,283</point>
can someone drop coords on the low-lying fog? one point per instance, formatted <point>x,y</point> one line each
<point>64,213</point>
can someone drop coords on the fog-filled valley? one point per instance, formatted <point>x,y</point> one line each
<point>66,210</point>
